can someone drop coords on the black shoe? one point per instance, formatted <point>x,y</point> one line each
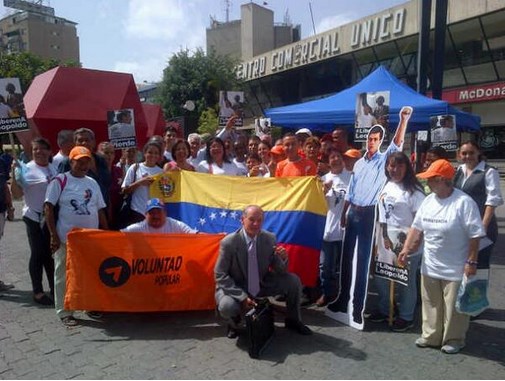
<point>400,325</point>
<point>377,317</point>
<point>337,307</point>
<point>44,300</point>
<point>231,332</point>
<point>297,326</point>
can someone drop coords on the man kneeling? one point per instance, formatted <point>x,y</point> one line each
<point>251,265</point>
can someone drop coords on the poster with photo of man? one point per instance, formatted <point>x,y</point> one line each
<point>231,103</point>
<point>12,109</point>
<point>443,132</point>
<point>389,246</point>
<point>262,127</point>
<point>371,108</point>
<point>121,128</point>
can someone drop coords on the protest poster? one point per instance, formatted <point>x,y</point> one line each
<point>12,109</point>
<point>121,128</point>
<point>389,245</point>
<point>371,108</point>
<point>443,132</point>
<point>231,103</point>
<point>262,127</point>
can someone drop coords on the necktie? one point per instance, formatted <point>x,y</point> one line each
<point>253,278</point>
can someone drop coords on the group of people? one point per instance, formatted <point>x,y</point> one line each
<point>84,188</point>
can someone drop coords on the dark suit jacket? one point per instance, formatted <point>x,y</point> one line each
<point>231,266</point>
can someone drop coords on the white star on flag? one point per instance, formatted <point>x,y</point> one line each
<point>222,214</point>
<point>233,214</point>
<point>202,221</point>
<point>213,216</point>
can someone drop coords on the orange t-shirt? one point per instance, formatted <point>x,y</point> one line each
<point>302,167</point>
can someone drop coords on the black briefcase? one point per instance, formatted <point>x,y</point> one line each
<point>260,327</point>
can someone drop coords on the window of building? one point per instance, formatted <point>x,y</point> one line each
<point>494,31</point>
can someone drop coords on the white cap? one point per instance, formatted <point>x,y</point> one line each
<point>303,131</point>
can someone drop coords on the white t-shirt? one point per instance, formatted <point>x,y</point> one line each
<point>79,203</point>
<point>171,226</point>
<point>447,224</point>
<point>242,167</point>
<point>335,198</point>
<point>141,194</point>
<point>58,158</point>
<point>35,181</point>
<point>397,206</point>
<point>229,169</point>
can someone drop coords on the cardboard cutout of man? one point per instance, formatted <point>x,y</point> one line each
<point>358,218</point>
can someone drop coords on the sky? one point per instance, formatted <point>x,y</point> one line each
<point>140,36</point>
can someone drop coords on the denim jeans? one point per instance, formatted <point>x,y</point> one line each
<point>407,295</point>
<point>329,260</point>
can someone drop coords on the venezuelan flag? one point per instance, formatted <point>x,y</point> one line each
<point>295,210</point>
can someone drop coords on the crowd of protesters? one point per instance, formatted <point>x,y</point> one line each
<point>108,178</point>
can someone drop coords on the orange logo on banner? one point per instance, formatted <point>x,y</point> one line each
<point>137,272</point>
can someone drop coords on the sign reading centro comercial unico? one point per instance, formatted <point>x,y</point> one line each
<point>374,30</point>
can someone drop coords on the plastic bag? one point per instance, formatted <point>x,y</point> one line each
<point>472,294</point>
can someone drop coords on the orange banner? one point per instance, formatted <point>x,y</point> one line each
<point>138,272</point>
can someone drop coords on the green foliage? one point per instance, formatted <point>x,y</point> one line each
<point>27,66</point>
<point>198,77</point>
<point>208,121</point>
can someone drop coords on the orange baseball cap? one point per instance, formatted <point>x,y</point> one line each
<point>353,153</point>
<point>440,167</point>
<point>79,152</point>
<point>278,150</point>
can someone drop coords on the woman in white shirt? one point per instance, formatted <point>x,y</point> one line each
<point>216,162</point>
<point>138,179</point>
<point>449,224</point>
<point>34,178</point>
<point>398,203</point>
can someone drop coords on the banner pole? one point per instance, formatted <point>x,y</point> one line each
<point>11,139</point>
<point>391,302</point>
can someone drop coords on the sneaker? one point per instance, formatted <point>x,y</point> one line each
<point>451,349</point>
<point>400,325</point>
<point>69,321</point>
<point>5,286</point>
<point>377,317</point>
<point>421,342</point>
<point>94,315</point>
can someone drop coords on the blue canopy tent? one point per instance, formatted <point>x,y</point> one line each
<point>339,109</point>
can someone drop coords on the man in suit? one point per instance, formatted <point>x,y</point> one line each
<point>250,265</point>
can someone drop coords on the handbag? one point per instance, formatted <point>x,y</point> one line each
<point>472,294</point>
<point>260,327</point>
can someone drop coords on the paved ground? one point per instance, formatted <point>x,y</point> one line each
<point>34,344</point>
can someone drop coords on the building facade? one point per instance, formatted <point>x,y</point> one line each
<point>40,32</point>
<point>326,63</point>
<point>255,33</point>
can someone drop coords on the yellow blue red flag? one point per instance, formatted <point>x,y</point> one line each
<point>295,210</point>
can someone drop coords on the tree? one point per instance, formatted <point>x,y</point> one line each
<point>26,66</point>
<point>208,121</point>
<point>198,77</point>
